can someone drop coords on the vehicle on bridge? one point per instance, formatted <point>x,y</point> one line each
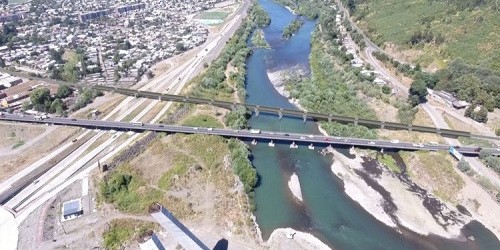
<point>138,123</point>
<point>254,131</point>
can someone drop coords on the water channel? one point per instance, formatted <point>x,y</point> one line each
<point>326,212</point>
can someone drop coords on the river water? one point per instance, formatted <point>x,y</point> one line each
<point>326,212</point>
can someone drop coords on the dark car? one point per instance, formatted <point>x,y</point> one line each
<point>286,134</point>
<point>478,149</point>
<point>327,139</point>
<point>161,126</point>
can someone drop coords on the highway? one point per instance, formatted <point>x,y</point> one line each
<point>301,139</point>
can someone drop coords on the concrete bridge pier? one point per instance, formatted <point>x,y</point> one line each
<point>382,150</point>
<point>256,111</point>
<point>356,121</point>
<point>159,98</point>
<point>382,124</point>
<point>330,118</point>
<point>271,143</point>
<point>410,127</point>
<point>136,95</point>
<point>280,114</point>
<point>254,142</point>
<point>304,118</point>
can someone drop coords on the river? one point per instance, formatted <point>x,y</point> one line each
<point>326,212</point>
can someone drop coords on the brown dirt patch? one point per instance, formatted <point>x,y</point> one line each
<point>12,133</point>
<point>15,163</point>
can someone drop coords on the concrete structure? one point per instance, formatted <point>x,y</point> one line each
<point>173,226</point>
<point>292,138</point>
<point>151,242</point>
<point>71,209</point>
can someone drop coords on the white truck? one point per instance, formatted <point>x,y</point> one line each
<point>254,131</point>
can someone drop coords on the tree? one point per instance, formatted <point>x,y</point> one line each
<point>56,55</point>
<point>150,74</point>
<point>63,91</point>
<point>464,166</point>
<point>482,115</point>
<point>180,47</point>
<point>57,106</point>
<point>2,63</point>
<point>116,57</point>
<point>419,88</point>
<point>40,99</point>
<point>470,110</point>
<point>386,89</point>
<point>351,5</point>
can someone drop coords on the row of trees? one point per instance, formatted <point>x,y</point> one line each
<point>291,28</point>
<point>243,168</point>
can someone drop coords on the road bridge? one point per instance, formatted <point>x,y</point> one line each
<point>257,109</point>
<point>295,139</point>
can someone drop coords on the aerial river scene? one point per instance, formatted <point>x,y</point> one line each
<point>326,211</point>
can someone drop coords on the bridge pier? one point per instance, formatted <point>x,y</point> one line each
<point>329,118</point>
<point>256,111</point>
<point>410,127</point>
<point>438,131</point>
<point>280,114</point>
<point>293,145</point>
<point>136,95</point>
<point>254,142</point>
<point>159,98</point>
<point>382,124</point>
<point>271,143</point>
<point>311,146</point>
<point>356,121</point>
<point>304,118</point>
<point>382,150</point>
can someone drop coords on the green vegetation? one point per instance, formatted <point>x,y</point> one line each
<point>258,39</point>
<point>464,166</point>
<point>243,168</point>
<point>213,83</point>
<point>435,168</point>
<point>18,144</point>
<point>86,96</point>
<point>475,142</point>
<point>308,8</point>
<point>202,121</point>
<point>128,191</point>
<point>291,28</point>
<point>389,162</point>
<point>490,160</point>
<point>122,231</point>
<point>213,15</point>
<point>333,86</point>
<point>238,118</point>
<point>443,29</point>
<point>180,166</point>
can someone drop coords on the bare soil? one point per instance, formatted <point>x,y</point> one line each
<point>12,133</point>
<point>14,163</point>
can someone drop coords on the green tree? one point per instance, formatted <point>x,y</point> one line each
<point>180,47</point>
<point>116,57</point>
<point>2,63</point>
<point>482,115</point>
<point>40,99</point>
<point>386,89</point>
<point>57,106</point>
<point>470,110</point>
<point>464,166</point>
<point>419,88</point>
<point>64,91</point>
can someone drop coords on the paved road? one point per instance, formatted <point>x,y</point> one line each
<point>246,134</point>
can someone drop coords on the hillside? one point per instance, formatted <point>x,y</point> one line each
<point>433,32</point>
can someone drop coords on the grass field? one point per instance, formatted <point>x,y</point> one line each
<point>213,15</point>
<point>122,231</point>
<point>202,121</point>
<point>434,171</point>
<point>473,35</point>
<point>389,162</point>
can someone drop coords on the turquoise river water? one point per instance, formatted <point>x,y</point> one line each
<point>326,212</point>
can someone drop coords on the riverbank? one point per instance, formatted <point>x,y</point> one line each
<point>385,197</point>
<point>288,238</point>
